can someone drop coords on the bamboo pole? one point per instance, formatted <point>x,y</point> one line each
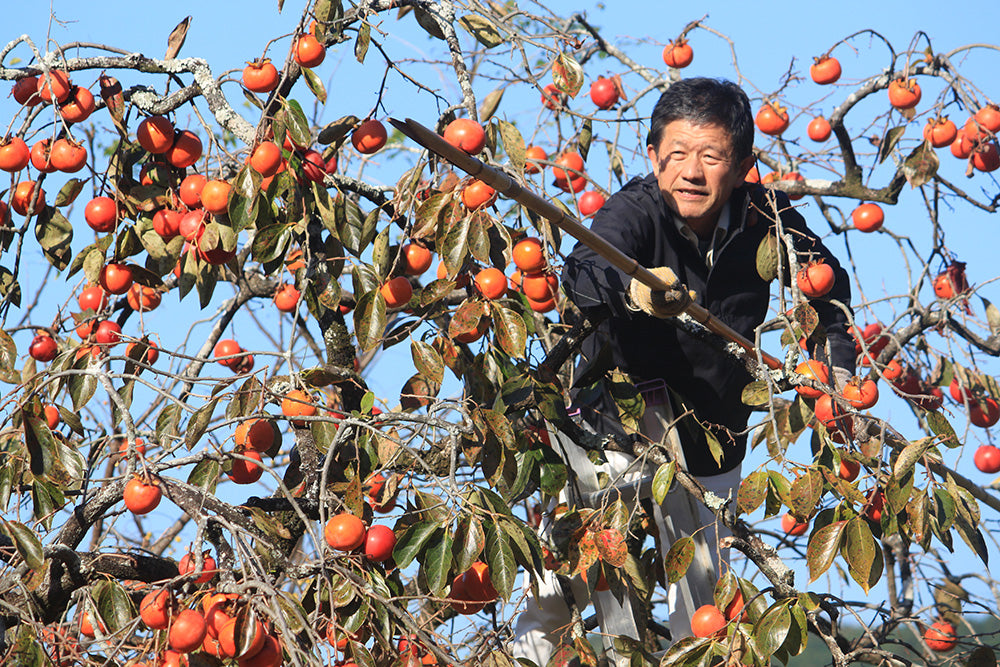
<point>508,187</point>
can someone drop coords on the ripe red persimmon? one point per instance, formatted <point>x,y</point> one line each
<point>491,283</point>
<point>819,129</point>
<point>815,279</point>
<point>27,195</point>
<point>987,459</point>
<point>815,370</point>
<point>861,393</point>
<point>260,76</point>
<point>604,93</point>
<point>904,94</point>
<point>308,51</point>
<point>528,255</point>
<point>568,167</point>
<point>940,637</point>
<point>416,258</point>
<point>708,621</point>
<point>14,154</point>
<point>591,202</point>
<point>531,156</point>
<point>344,532</point>
<point>540,286</point>
<point>157,608</point>
<point>793,526</point>
<point>187,631</point>
<point>93,298</point>
<point>772,119</point>
<point>141,497</point>
<point>397,292</point>
<point>25,91</point>
<point>68,156</point>
<point>825,70</point>
<point>868,217</point>
<point>185,150</point>
<point>78,106</point>
<point>155,134</point>
<point>940,132</point>
<point>227,347</point>
<point>369,137</point>
<point>43,348</point>
<point>54,85</point>
<point>552,97</point>
<point>215,197</point>
<point>190,190</point>
<point>286,299</point>
<point>477,194</point>
<point>298,403</point>
<point>266,158</point>
<point>984,412</point>
<point>379,542</point>
<point>101,213</point>
<point>255,434</point>
<point>678,53</point>
<point>187,565</point>
<point>246,471</point>
<point>115,278</point>
<point>466,134</point>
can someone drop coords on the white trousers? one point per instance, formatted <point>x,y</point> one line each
<point>546,621</point>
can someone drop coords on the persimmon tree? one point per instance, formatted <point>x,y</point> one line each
<point>226,485</point>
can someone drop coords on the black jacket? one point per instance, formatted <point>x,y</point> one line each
<point>638,222</point>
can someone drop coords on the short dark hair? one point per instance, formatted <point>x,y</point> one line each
<point>702,101</point>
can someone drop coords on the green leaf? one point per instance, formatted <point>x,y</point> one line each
<point>8,359</point>
<point>198,423</point>
<point>500,558</point>
<point>168,422</point>
<point>510,331</point>
<point>860,549</point>
<point>69,192</point>
<point>823,547</point>
<point>805,493</point>
<point>767,258</point>
<point>55,235</point>
<point>920,165</point>
<point>315,84</point>
<point>29,547</point>
<point>470,539</point>
<point>756,393</point>
<point>889,141</point>
<point>437,562</point>
<point>662,481</point>
<point>412,542</point>
<point>427,361</point>
<point>912,453</point>
<point>941,427</point>
<point>752,491</point>
<point>362,42</point>
<point>114,605</point>
<point>40,444</point>
<point>482,29</point>
<point>679,559</point>
<point>205,475</point>
<point>772,628</point>
<point>513,144</point>
<point>369,320</point>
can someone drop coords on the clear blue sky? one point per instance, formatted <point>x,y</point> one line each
<point>766,36</point>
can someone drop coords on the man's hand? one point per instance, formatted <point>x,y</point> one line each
<point>662,304</point>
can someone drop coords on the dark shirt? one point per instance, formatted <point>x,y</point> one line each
<point>638,222</point>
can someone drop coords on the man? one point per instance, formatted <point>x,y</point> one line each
<point>697,221</point>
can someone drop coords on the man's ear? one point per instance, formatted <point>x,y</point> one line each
<point>745,166</point>
<point>654,158</point>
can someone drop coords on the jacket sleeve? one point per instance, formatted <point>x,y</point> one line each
<point>588,279</point>
<point>833,318</point>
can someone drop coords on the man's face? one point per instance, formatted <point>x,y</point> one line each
<point>696,171</point>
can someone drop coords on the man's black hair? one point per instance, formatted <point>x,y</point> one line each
<point>703,101</point>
